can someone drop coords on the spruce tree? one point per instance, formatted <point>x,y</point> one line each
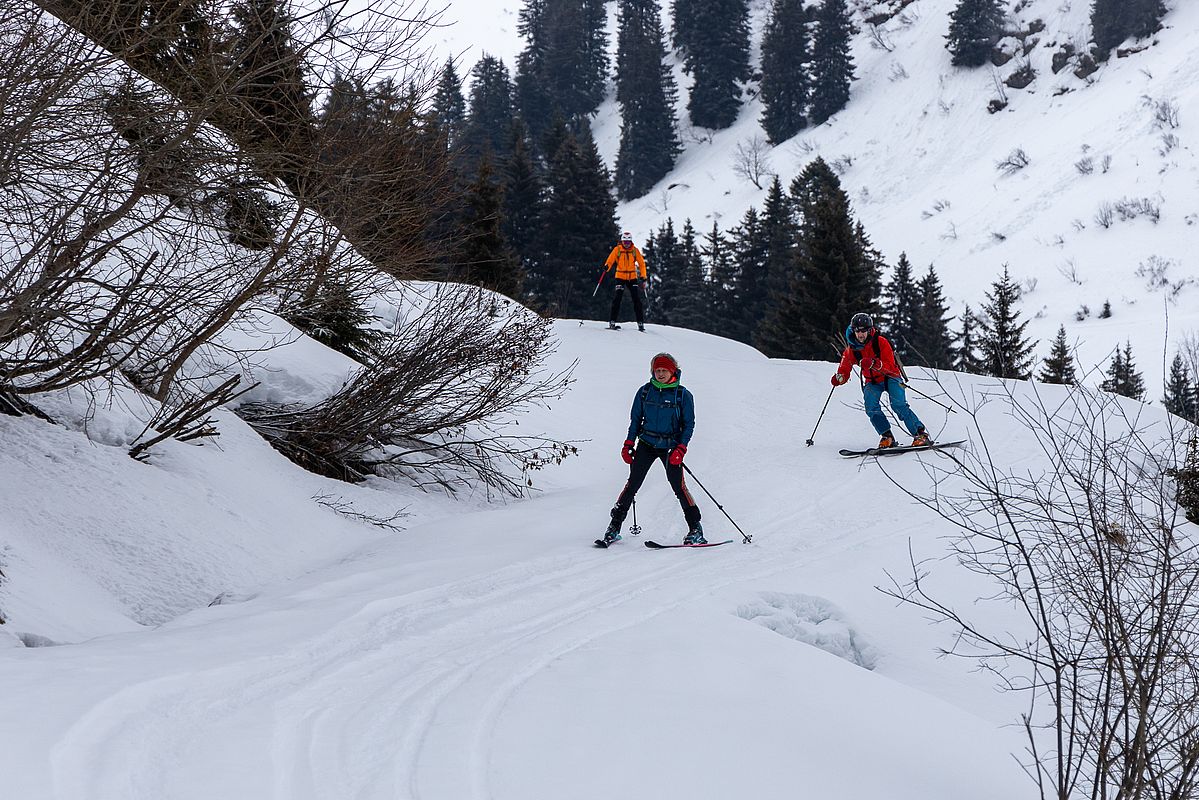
<point>486,259</point>
<point>531,93</point>
<point>750,257</point>
<point>646,93</point>
<point>667,273</point>
<point>901,302</point>
<point>974,28</point>
<point>579,227</point>
<point>1182,395</point>
<point>836,275</point>
<point>524,195</point>
<point>966,351</point>
<point>776,332</point>
<point>487,124</point>
<point>449,106</point>
<point>1059,366</point>
<point>564,65</point>
<point>1113,21</point>
<point>832,63</point>
<point>785,89</point>
<point>683,13</point>
<point>1122,376</point>
<point>717,58</point>
<point>1003,348</point>
<point>930,341</point>
<point>270,88</point>
<point>691,303</point>
<point>724,278</point>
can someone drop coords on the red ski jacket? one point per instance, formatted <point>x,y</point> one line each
<point>876,357</point>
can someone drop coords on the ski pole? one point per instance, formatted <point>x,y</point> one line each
<point>635,529</point>
<point>812,438</point>
<point>905,385</point>
<point>747,538</point>
<point>603,272</point>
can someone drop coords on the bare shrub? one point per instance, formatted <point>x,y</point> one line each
<point>434,403</point>
<point>1014,162</point>
<point>1131,208</point>
<point>751,160</point>
<point>1092,556</point>
<point>1105,217</point>
<point>1085,165</point>
<point>1165,114</point>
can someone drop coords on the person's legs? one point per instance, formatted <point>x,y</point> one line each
<point>872,393</point>
<point>643,459</point>
<point>678,482</point>
<point>616,297</point>
<point>638,302</point>
<point>899,404</point>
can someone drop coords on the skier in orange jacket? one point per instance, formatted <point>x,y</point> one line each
<point>630,274</point>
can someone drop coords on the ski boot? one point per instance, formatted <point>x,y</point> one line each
<point>695,535</point>
<point>886,441</point>
<point>921,438</point>
<point>612,326</point>
<point>641,327</point>
<point>612,534</point>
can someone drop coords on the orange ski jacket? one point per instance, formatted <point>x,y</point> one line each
<point>630,264</point>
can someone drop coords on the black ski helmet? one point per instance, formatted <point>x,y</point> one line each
<point>861,322</point>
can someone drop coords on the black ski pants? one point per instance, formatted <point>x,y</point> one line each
<point>644,458</point>
<point>634,288</point>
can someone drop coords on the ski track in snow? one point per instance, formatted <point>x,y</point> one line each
<point>396,687</point>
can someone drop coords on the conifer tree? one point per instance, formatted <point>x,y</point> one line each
<point>690,301</point>
<point>449,106</point>
<point>1059,366</point>
<point>487,124</point>
<point>1113,21</point>
<point>646,92</point>
<point>750,257</point>
<point>1003,348</point>
<point>776,333</point>
<point>270,88</point>
<point>1182,395</point>
<point>832,63</point>
<point>524,195</point>
<point>564,65</point>
<point>1122,376</point>
<point>966,355</point>
<point>724,278</point>
<point>485,258</point>
<point>667,274</point>
<point>930,341</point>
<point>974,28</point>
<point>900,305</point>
<point>531,93</point>
<point>683,13</point>
<point>785,87</point>
<point>837,275</point>
<point>717,58</point>
<point>579,227</point>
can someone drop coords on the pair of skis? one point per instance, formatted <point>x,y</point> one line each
<point>656,546</point>
<point>894,451</point>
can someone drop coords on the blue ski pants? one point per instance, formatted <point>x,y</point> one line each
<point>873,394</point>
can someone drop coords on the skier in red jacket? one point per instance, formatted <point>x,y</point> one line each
<point>880,373</point>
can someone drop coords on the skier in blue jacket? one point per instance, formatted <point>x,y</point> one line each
<point>660,426</point>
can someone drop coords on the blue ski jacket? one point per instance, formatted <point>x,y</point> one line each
<point>662,418</point>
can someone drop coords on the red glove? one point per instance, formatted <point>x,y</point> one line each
<point>676,455</point>
<point>626,451</point>
<point>839,379</point>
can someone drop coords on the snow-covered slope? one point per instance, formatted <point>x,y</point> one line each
<point>490,651</point>
<point>918,153</point>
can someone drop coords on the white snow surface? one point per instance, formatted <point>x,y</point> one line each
<point>489,651</point>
